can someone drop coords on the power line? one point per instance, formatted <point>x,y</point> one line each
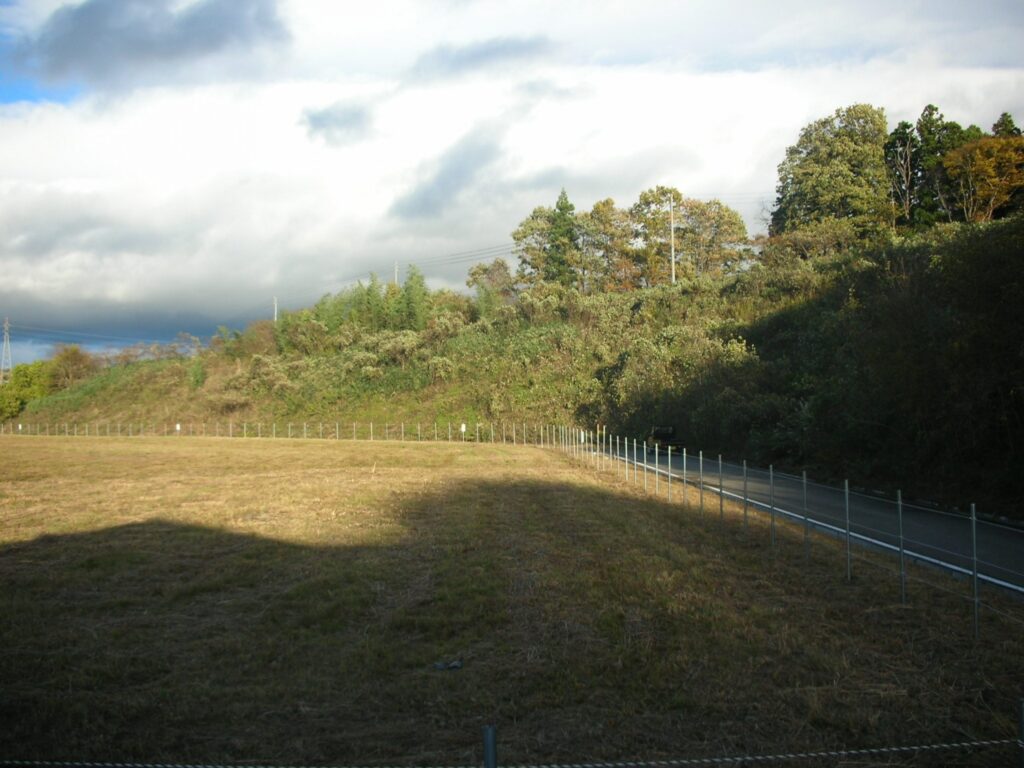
<point>102,337</point>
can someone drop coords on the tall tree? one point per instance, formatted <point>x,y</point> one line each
<point>650,217</point>
<point>710,233</point>
<point>415,300</point>
<point>547,243</point>
<point>1004,127</point>
<point>494,284</point>
<point>935,196</point>
<point>835,170</point>
<point>608,256</point>
<point>901,152</point>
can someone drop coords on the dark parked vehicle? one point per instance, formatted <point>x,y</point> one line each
<point>663,437</point>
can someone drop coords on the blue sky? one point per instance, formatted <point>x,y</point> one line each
<point>171,165</point>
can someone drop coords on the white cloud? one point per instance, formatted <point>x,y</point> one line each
<point>211,197</point>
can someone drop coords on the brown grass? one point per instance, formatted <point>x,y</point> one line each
<point>286,601</point>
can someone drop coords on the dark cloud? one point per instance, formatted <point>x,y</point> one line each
<point>452,61</point>
<point>112,41</point>
<point>456,170</point>
<point>338,123</point>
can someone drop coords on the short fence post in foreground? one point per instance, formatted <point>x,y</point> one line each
<point>490,747</point>
<point>449,431</point>
<point>849,560</point>
<point>974,566</point>
<point>903,566</point>
<point>1020,734</point>
<point>771,499</point>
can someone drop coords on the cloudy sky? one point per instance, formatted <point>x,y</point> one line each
<point>173,165</point>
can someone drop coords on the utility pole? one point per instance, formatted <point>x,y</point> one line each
<point>396,274</point>
<point>5,357</point>
<point>275,310</point>
<point>672,234</point>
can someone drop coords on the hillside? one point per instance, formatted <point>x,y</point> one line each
<point>896,363</point>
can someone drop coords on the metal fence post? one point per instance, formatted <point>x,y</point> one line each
<point>903,566</point>
<point>684,479</point>
<point>849,556</point>
<point>645,466</point>
<point>700,464</point>
<point>670,474</point>
<point>771,499</point>
<point>721,490</point>
<point>636,465</point>
<point>974,566</point>
<point>744,494</point>
<point>657,466</point>
<point>490,747</point>
<point>1020,734</point>
<point>807,520</point>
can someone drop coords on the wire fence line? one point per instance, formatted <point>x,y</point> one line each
<point>982,551</point>
<point>490,758</point>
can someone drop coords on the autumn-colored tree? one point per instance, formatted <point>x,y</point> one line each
<point>70,363</point>
<point>709,233</point>
<point>608,256</point>
<point>985,175</point>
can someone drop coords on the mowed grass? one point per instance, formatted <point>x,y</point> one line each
<point>288,601</point>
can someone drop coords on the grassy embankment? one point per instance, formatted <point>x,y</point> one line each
<point>200,600</point>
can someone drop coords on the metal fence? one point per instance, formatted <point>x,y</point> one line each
<point>982,551</point>
<point>1008,751</point>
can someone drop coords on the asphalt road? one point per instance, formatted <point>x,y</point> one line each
<point>929,535</point>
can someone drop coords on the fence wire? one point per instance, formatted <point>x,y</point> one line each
<point>668,763</point>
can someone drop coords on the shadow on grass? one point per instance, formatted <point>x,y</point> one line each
<point>589,623</point>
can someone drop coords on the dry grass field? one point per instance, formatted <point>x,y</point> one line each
<point>290,601</point>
